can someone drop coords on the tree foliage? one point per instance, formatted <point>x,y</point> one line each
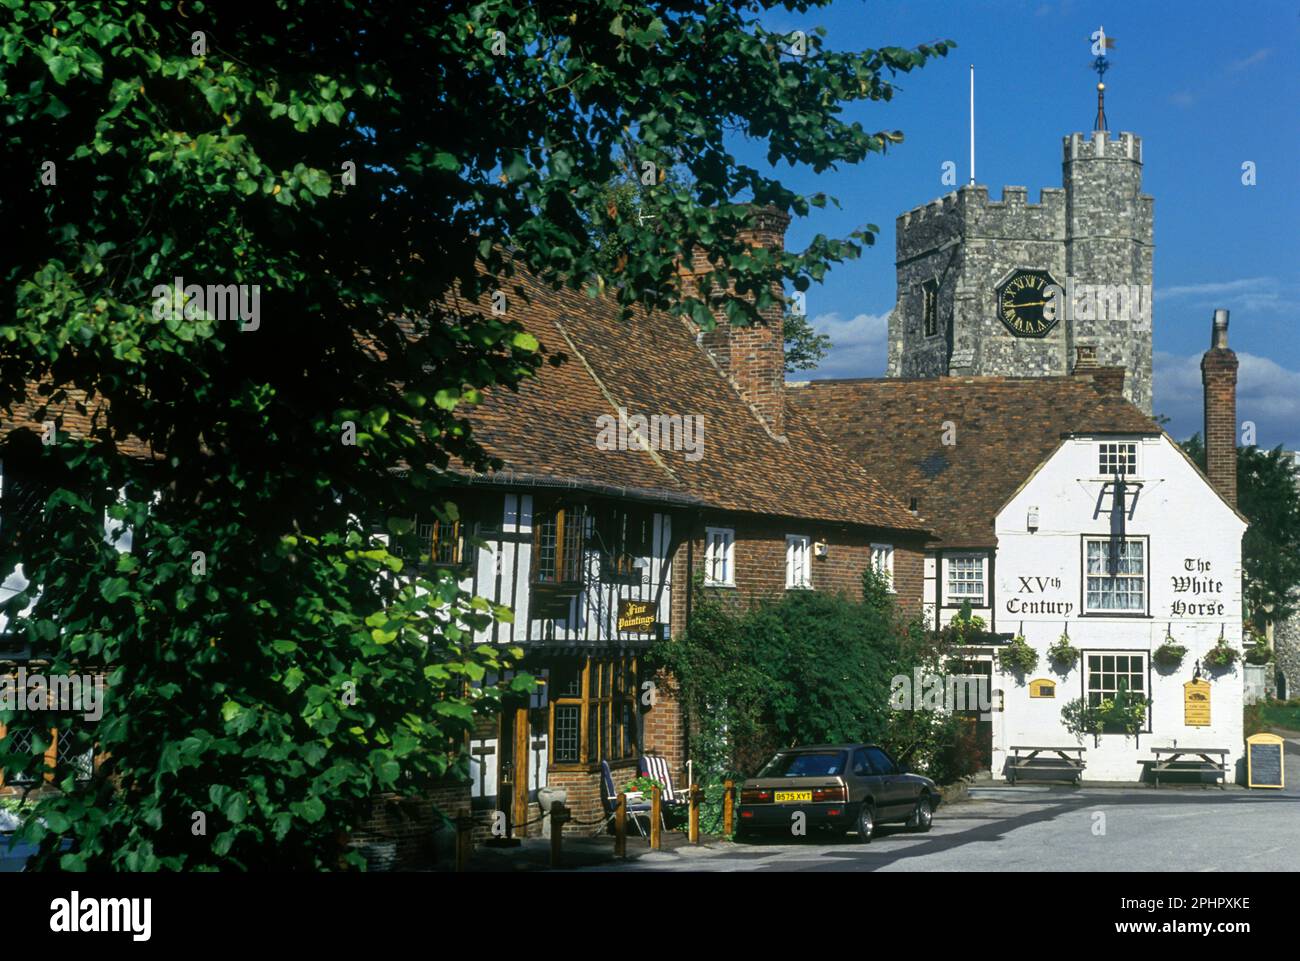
<point>1268,494</point>
<point>364,167</point>
<point>808,668</point>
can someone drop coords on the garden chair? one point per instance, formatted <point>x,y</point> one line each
<point>637,805</point>
<point>672,801</point>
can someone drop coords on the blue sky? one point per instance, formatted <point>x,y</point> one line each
<point>1207,86</point>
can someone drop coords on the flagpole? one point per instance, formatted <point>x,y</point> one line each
<point>972,124</point>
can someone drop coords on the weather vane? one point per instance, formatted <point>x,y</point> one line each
<point>1100,44</point>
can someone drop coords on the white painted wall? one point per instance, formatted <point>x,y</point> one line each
<point>1185,520</point>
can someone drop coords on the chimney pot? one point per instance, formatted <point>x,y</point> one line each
<point>1219,377</point>
<point>1219,334</point>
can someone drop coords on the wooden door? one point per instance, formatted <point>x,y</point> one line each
<point>512,770</point>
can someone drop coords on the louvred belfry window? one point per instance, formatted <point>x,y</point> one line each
<point>559,535</point>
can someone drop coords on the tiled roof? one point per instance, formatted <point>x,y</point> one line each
<point>652,365</point>
<point>1003,428</point>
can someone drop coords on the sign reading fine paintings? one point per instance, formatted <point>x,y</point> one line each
<point>635,617</point>
<point>1196,703</point>
<point>1264,763</point>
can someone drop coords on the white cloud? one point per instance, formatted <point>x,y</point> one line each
<point>1182,98</point>
<point>1267,394</point>
<point>859,346</point>
<point>1250,294</point>
<point>1259,56</point>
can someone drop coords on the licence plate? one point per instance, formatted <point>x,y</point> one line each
<point>785,797</point>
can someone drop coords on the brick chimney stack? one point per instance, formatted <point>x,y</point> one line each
<point>1219,375</point>
<point>754,356</point>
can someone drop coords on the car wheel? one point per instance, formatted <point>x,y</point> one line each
<point>866,823</point>
<point>922,815</point>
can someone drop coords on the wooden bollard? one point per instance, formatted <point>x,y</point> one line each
<point>728,807</point>
<point>695,813</point>
<point>620,827</point>
<point>656,802</point>
<point>464,840</point>
<point>559,817</point>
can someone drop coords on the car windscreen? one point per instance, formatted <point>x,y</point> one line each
<point>805,764</point>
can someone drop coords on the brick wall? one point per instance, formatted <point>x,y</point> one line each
<point>1219,376</point>
<point>760,562</point>
<point>402,831</point>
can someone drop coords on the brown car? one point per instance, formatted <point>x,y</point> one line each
<point>845,787</point>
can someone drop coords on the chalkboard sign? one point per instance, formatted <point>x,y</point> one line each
<point>1264,764</point>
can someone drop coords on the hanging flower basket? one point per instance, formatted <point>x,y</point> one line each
<point>1063,654</point>
<point>1221,656</point>
<point>1018,656</point>
<point>1169,654</point>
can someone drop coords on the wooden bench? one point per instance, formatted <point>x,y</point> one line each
<point>1025,760</point>
<point>1190,759</point>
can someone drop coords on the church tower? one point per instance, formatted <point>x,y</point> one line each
<point>1018,289</point>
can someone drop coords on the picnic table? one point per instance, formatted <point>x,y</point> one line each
<point>1024,758</point>
<point>1191,759</point>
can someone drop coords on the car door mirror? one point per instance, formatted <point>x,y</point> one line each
<point>903,769</point>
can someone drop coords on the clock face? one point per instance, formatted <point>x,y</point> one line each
<point>1025,306</point>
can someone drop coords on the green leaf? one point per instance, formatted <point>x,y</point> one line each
<point>112,588</point>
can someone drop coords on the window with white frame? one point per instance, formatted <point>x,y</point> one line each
<point>1110,673</point>
<point>798,564</point>
<point>719,557</point>
<point>1116,572</point>
<point>882,561</point>
<point>1117,459</point>
<point>965,579</point>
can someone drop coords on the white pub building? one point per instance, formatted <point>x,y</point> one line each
<point>1101,568</point>
<point>1119,545</point>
